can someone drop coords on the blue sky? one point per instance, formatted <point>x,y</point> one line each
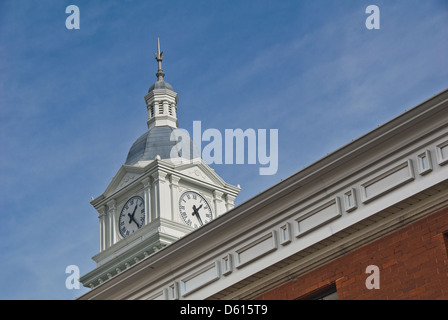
<point>71,101</point>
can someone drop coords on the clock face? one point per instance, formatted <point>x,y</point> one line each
<point>194,209</point>
<point>132,216</point>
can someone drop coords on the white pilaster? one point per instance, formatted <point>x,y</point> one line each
<point>218,203</point>
<point>174,195</point>
<point>230,202</point>
<point>161,195</point>
<point>147,198</point>
<point>111,210</point>
<point>102,223</point>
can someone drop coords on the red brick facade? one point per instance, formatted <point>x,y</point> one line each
<point>412,262</point>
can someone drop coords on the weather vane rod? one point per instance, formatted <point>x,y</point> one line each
<point>159,58</point>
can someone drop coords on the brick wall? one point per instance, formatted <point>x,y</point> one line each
<point>412,262</point>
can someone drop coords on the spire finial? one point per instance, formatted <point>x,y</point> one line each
<point>159,58</point>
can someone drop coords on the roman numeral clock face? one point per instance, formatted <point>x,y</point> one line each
<point>194,209</point>
<point>132,216</point>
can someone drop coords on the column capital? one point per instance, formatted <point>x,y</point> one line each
<point>159,176</point>
<point>111,204</point>
<point>174,179</point>
<point>146,182</point>
<point>217,195</point>
<point>101,211</point>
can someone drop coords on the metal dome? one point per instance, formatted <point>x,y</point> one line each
<point>157,142</point>
<point>160,84</point>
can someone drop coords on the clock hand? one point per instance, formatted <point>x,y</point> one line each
<point>132,216</point>
<point>133,219</point>
<point>138,226</point>
<point>196,210</point>
<point>196,213</point>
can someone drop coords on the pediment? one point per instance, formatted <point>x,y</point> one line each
<point>125,176</point>
<point>201,171</point>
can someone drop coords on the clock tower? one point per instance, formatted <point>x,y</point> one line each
<point>158,195</point>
